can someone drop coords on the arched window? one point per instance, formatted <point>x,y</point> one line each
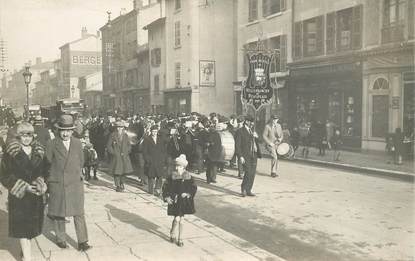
<point>381,84</point>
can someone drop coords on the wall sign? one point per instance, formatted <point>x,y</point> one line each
<point>395,102</point>
<point>207,73</point>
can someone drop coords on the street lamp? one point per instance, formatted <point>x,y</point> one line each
<point>27,75</point>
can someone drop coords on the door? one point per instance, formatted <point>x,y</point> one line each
<point>380,116</point>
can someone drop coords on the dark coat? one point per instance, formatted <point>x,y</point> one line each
<point>42,134</point>
<point>154,157</point>
<point>244,143</point>
<point>173,188</point>
<point>65,182</point>
<point>119,149</point>
<point>215,152</point>
<point>25,214</point>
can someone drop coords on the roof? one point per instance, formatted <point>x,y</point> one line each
<point>78,40</point>
<point>155,22</point>
<point>117,19</point>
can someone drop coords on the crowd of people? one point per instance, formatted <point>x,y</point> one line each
<point>47,165</point>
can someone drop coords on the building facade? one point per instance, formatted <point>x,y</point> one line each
<point>126,84</point>
<point>268,21</point>
<point>90,87</point>
<point>79,58</point>
<point>200,56</point>
<point>340,49</point>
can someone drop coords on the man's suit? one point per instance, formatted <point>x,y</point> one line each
<point>66,187</point>
<point>272,136</point>
<point>247,146</point>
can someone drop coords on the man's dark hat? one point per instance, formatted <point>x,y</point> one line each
<point>65,122</point>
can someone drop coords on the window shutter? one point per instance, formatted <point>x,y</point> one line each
<point>320,34</point>
<point>265,7</point>
<point>357,27</point>
<point>297,43</point>
<point>283,5</point>
<point>283,53</point>
<point>331,32</point>
<point>411,21</point>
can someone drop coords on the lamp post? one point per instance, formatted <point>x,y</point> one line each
<point>27,75</point>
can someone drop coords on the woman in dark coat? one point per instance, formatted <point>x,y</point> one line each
<point>179,192</point>
<point>22,172</point>
<point>154,153</point>
<point>119,147</point>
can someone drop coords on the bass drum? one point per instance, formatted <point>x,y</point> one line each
<point>285,150</point>
<point>228,145</point>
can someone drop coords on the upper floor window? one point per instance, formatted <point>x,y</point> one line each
<point>393,20</point>
<point>253,10</point>
<point>177,4</point>
<point>270,7</point>
<point>177,74</point>
<point>177,34</point>
<point>155,57</point>
<point>313,36</point>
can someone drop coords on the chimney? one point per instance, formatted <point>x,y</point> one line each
<point>123,11</point>
<point>84,32</point>
<point>38,60</point>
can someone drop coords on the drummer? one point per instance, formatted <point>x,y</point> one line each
<point>273,136</point>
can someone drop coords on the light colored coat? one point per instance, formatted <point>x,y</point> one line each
<point>272,134</point>
<point>65,182</point>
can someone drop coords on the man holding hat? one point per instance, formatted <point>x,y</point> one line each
<point>247,149</point>
<point>65,183</point>
<point>273,136</point>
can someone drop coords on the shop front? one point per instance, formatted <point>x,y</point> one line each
<point>178,100</point>
<point>328,93</point>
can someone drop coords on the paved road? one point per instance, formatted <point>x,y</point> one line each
<point>314,213</point>
<point>308,213</point>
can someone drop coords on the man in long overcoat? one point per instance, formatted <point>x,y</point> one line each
<point>65,183</point>
<point>154,153</point>
<point>248,151</point>
<point>119,148</point>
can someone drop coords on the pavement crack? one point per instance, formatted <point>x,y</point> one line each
<point>105,233</point>
<point>134,254</point>
<point>40,249</point>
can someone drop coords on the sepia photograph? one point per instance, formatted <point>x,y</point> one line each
<point>158,130</point>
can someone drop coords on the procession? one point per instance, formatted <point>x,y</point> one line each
<point>207,130</point>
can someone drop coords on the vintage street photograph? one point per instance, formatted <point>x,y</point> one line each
<point>207,130</point>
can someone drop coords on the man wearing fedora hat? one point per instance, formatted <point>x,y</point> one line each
<point>65,183</point>
<point>119,147</point>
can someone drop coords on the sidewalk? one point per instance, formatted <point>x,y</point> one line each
<point>372,162</point>
<point>131,226</point>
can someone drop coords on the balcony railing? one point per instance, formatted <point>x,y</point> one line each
<point>392,33</point>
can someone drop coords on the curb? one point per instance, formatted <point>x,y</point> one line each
<point>399,175</point>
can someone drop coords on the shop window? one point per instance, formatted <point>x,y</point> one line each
<point>270,7</point>
<point>380,115</point>
<point>253,10</point>
<point>177,69</point>
<point>177,41</point>
<point>393,20</point>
